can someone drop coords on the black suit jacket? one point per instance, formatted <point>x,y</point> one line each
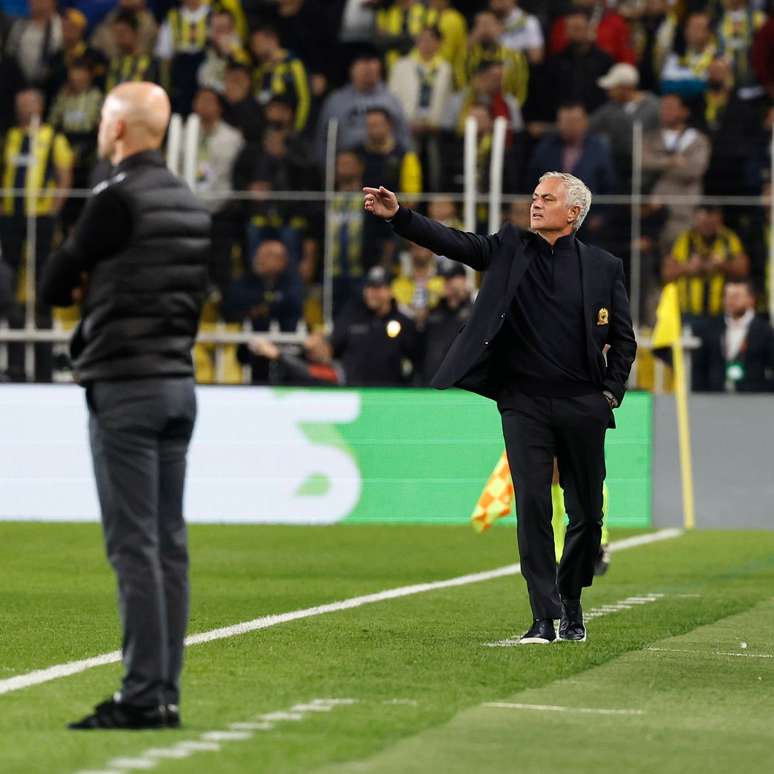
<point>468,364</point>
<point>708,372</point>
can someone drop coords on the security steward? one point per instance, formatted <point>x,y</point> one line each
<point>136,260</point>
<point>376,344</point>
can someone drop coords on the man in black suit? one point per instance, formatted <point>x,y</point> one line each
<point>737,349</point>
<point>535,343</point>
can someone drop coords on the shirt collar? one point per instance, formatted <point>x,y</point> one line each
<point>146,157</point>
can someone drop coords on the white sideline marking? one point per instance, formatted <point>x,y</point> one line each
<point>151,758</point>
<point>251,726</point>
<point>555,708</point>
<point>39,676</point>
<point>714,653</point>
<point>226,736</point>
<point>131,763</point>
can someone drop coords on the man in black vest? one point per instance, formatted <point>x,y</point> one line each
<point>136,260</point>
<point>535,343</point>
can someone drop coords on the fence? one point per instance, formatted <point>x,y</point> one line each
<point>478,208</point>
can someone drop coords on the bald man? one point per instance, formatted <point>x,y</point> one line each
<point>136,261</point>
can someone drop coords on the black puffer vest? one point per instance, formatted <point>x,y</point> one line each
<point>142,308</point>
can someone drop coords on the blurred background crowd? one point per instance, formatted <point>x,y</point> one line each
<point>400,78</point>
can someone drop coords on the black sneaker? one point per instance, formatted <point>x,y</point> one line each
<point>173,715</point>
<point>571,628</point>
<point>112,714</point>
<point>603,561</point>
<point>541,632</point>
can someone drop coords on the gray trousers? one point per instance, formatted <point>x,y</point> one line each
<point>140,430</point>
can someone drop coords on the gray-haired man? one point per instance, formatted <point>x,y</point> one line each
<point>535,343</point>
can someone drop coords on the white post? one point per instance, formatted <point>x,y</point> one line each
<point>191,150</point>
<point>635,254</point>
<point>330,188</point>
<point>174,141</point>
<point>771,231</point>
<point>496,161</point>
<point>31,202</point>
<point>471,141</point>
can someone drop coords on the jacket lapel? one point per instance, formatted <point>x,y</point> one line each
<point>586,275</point>
<point>519,264</point>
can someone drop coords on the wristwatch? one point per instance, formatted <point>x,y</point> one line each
<point>610,399</point>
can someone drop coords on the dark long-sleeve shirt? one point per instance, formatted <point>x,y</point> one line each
<point>103,228</point>
<point>544,345</point>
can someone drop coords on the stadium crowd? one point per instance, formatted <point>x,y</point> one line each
<point>400,77</point>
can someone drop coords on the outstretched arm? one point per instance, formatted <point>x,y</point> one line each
<point>471,249</point>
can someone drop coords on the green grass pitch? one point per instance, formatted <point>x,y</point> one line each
<point>681,683</point>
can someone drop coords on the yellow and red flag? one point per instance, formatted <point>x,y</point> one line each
<point>496,500</point>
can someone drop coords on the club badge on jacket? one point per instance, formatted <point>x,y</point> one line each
<point>602,316</point>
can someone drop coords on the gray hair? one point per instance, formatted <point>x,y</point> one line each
<point>578,194</point>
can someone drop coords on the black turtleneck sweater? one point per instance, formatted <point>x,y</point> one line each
<point>543,348</point>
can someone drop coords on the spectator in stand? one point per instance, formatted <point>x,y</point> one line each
<point>444,211</point>
<point>397,26</point>
<point>737,349</point>
<point>181,47</point>
<point>652,38</point>
<point>76,113</point>
<point>223,48</point>
<point>306,27</point>
<point>615,119</point>
<point>686,73</point>
<point>418,288</point>
<point>33,41</point>
<point>291,365</point>
<point>736,31</point>
<point>485,91</point>
<point>763,56</point>
<point>148,30</point>
<point>358,242</point>
<point>74,47</point>
<point>484,46</point>
<point>702,259</point>
<point>376,343</point>
<point>11,79</point>
<point>279,167</point>
<point>731,124</point>
<point>43,171</point>
<point>349,104</point>
<point>521,31</point>
<point>278,72</point>
<point>422,81</point>
<point>37,160</point>
<point>607,28</point>
<point>454,36</point>
<point>270,293</point>
<point>573,73</point>
<point>219,146</point>
<point>385,161</point>
<point>241,109</point>
<point>573,149</point>
<point>674,160</point>
<point>129,64</point>
<point>445,320</point>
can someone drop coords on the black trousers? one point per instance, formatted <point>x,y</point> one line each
<point>536,430</point>
<point>140,432</point>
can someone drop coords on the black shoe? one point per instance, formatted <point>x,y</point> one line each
<point>112,714</point>
<point>172,712</point>
<point>603,561</point>
<point>571,628</point>
<point>541,632</point>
